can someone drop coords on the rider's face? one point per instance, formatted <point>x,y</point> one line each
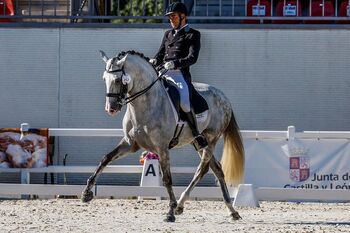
<point>174,20</point>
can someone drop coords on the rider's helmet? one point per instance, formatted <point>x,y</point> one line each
<point>176,7</point>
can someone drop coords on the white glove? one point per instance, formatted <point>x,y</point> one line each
<point>153,61</point>
<point>169,65</point>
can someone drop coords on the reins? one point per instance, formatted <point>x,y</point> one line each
<point>124,87</point>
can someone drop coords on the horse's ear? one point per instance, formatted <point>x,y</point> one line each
<point>104,56</point>
<point>121,61</point>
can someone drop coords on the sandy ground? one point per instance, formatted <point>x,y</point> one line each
<point>120,215</point>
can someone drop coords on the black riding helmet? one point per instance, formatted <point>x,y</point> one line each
<point>176,7</point>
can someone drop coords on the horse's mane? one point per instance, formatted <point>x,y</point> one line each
<point>132,52</point>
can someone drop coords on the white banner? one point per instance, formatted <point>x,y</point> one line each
<point>290,10</point>
<point>299,163</point>
<point>258,10</point>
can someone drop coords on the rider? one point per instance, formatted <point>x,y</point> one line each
<point>178,51</point>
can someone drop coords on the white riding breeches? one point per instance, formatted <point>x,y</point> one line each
<point>176,78</point>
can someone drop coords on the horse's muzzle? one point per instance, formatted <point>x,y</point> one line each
<point>112,112</point>
<point>113,109</point>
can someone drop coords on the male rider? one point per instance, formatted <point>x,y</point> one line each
<point>178,51</point>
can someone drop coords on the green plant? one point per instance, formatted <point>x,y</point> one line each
<point>137,8</point>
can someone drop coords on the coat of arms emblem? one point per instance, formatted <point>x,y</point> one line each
<point>299,161</point>
<point>299,168</point>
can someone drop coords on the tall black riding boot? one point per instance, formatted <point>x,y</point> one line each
<point>199,141</point>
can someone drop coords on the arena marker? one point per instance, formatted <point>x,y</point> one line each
<point>150,175</point>
<point>246,196</point>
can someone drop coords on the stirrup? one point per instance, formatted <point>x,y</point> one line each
<point>200,142</point>
<point>175,140</point>
<point>173,143</point>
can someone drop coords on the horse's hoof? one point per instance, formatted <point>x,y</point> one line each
<point>179,210</point>
<point>169,218</point>
<point>87,196</point>
<point>235,216</point>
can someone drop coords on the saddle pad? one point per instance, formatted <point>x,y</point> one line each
<point>198,103</point>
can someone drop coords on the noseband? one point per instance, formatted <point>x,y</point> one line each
<point>121,96</point>
<point>123,87</point>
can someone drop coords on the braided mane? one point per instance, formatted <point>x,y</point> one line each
<point>132,52</point>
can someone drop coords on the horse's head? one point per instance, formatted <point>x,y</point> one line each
<point>127,73</point>
<point>116,80</point>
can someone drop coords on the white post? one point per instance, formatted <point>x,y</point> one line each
<point>24,129</point>
<point>25,179</point>
<point>291,133</point>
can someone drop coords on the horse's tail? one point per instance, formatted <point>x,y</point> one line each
<point>232,160</point>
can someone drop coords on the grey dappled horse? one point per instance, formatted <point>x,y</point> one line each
<point>149,124</point>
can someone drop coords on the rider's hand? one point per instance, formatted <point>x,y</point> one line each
<point>169,65</point>
<point>153,61</point>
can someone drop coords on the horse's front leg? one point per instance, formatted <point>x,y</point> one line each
<point>167,182</point>
<point>123,149</point>
<point>206,155</point>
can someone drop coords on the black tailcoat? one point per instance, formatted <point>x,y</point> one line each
<point>182,48</point>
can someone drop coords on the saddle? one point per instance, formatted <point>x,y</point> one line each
<point>199,109</point>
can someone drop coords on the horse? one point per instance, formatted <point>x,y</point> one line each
<point>149,124</point>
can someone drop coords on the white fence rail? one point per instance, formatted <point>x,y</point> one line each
<point>262,193</point>
<point>100,190</point>
<point>25,172</point>
<point>289,133</point>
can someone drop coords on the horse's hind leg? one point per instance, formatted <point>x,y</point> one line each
<point>216,168</point>
<point>121,150</point>
<point>206,155</point>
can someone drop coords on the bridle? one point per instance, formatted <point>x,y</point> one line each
<point>121,96</point>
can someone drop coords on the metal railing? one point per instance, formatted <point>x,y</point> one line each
<point>152,11</point>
